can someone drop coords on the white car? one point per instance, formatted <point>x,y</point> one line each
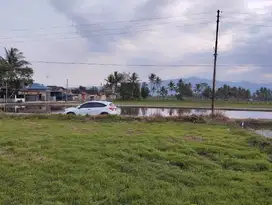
<point>93,108</point>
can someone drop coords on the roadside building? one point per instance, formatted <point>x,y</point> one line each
<point>36,92</point>
<point>57,93</point>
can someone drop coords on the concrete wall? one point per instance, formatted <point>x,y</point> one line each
<point>3,100</point>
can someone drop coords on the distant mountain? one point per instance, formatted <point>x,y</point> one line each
<point>248,85</point>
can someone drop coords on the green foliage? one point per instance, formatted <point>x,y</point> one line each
<point>15,70</point>
<point>130,91</point>
<point>163,92</point>
<point>183,89</point>
<point>207,92</point>
<point>263,94</point>
<point>171,87</point>
<point>145,91</point>
<point>52,161</point>
<point>226,92</point>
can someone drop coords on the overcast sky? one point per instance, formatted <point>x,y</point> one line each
<point>157,32</point>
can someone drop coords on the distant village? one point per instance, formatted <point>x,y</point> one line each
<point>40,92</point>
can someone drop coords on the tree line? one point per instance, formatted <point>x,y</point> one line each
<point>128,86</point>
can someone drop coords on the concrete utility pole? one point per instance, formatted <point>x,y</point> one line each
<point>215,60</point>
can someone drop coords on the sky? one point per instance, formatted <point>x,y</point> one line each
<point>70,39</point>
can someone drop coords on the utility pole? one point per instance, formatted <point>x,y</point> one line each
<point>66,97</point>
<point>215,60</point>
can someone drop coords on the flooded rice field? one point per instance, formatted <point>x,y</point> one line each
<point>144,111</point>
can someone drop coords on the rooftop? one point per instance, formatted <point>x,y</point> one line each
<point>35,86</point>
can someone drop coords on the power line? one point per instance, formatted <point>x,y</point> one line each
<point>109,22</point>
<point>99,31</point>
<point>247,13</point>
<point>248,24</point>
<point>98,34</point>
<point>139,65</point>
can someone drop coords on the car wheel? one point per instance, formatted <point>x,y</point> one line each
<point>104,113</point>
<point>71,113</point>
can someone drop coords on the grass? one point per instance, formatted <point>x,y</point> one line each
<point>197,103</point>
<point>49,160</point>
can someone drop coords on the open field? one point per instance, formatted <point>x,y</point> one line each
<point>50,161</point>
<point>197,104</point>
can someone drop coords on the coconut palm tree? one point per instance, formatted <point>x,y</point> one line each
<point>15,69</point>
<point>118,78</point>
<point>152,80</point>
<point>163,92</point>
<point>158,82</point>
<point>114,80</point>
<point>110,81</point>
<point>171,86</point>
<point>133,79</point>
<point>197,89</point>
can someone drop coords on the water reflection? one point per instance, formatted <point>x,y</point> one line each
<point>181,112</point>
<point>265,133</point>
<point>131,111</point>
<point>161,112</point>
<point>32,109</point>
<point>144,111</point>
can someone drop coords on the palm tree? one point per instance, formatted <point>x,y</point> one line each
<point>171,86</point>
<point>113,80</point>
<point>158,82</point>
<point>133,79</point>
<point>180,89</point>
<point>152,80</point>
<point>3,70</point>
<point>15,69</point>
<point>163,92</point>
<point>110,82</point>
<point>118,78</point>
<point>197,89</point>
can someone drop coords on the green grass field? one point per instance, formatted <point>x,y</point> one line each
<point>49,161</point>
<point>196,103</point>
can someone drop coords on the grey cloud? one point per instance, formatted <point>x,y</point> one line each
<point>103,36</point>
<point>251,50</point>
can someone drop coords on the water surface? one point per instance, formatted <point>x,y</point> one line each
<point>265,133</point>
<point>147,111</point>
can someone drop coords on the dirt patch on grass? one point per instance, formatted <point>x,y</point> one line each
<point>194,138</point>
<point>82,130</point>
<point>35,125</point>
<point>131,131</point>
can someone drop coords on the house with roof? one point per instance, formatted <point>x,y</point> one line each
<point>59,93</point>
<point>36,92</point>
